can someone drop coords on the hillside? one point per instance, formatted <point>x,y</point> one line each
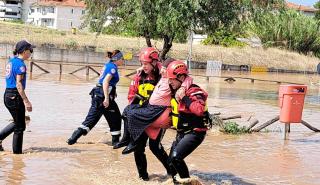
<point>270,57</point>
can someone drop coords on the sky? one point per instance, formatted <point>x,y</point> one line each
<point>304,2</point>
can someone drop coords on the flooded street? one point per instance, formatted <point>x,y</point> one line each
<point>60,106</point>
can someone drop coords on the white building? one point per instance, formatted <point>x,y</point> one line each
<point>57,14</point>
<point>10,9</point>
<point>306,10</point>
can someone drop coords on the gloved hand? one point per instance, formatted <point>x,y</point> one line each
<point>187,101</point>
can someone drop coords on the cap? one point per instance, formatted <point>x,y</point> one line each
<point>23,45</point>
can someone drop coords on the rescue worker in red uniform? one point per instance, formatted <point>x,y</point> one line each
<point>140,91</point>
<point>189,117</point>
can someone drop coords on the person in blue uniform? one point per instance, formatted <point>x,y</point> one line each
<point>103,101</point>
<point>15,98</point>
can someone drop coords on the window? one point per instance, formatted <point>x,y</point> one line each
<point>47,22</point>
<point>72,10</point>
<point>11,13</point>
<point>44,11</point>
<point>83,12</point>
<point>38,10</point>
<point>12,2</point>
<point>50,9</point>
<point>32,10</point>
<point>71,24</point>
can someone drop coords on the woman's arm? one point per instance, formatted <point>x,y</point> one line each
<point>23,95</point>
<point>105,87</point>
<point>133,89</point>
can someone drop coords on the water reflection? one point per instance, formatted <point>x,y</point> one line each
<point>12,168</point>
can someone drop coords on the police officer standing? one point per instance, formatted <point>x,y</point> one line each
<point>15,98</point>
<point>103,101</point>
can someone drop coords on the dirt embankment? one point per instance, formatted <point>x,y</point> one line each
<point>271,57</point>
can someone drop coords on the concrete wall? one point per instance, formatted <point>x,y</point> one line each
<point>89,56</point>
<point>57,55</point>
<point>62,55</point>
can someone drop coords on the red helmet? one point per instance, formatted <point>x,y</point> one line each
<point>148,54</point>
<point>176,68</point>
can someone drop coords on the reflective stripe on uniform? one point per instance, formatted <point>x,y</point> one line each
<point>114,133</point>
<point>175,112</point>
<point>85,128</point>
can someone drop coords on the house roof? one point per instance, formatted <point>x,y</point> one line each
<point>300,7</point>
<point>71,3</point>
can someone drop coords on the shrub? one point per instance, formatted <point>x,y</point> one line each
<point>71,44</point>
<point>287,29</point>
<point>224,38</point>
<point>231,127</point>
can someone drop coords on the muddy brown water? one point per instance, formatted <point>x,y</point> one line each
<point>60,105</point>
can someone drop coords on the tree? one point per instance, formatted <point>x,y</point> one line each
<point>161,19</point>
<point>215,14</point>
<point>165,19</point>
<point>97,13</point>
<point>317,6</point>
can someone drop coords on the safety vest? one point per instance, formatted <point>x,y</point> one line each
<point>186,121</point>
<point>145,89</point>
<point>174,113</point>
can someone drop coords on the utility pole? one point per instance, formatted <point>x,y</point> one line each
<point>190,49</point>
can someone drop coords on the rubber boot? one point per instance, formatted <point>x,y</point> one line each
<point>115,139</point>
<point>125,138</point>
<point>17,142</point>
<point>158,150</point>
<point>75,136</point>
<point>141,163</point>
<point>181,167</point>
<point>1,148</point>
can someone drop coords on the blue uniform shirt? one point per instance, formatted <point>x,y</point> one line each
<point>110,68</point>
<point>15,66</point>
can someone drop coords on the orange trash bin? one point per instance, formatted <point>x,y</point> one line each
<point>291,101</point>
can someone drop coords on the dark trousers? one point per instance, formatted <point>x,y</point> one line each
<point>156,148</point>
<point>112,113</point>
<point>184,145</point>
<point>15,105</point>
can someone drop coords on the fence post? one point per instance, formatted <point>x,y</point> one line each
<point>60,69</point>
<point>31,67</point>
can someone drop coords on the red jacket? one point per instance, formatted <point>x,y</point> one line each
<point>133,89</point>
<point>194,101</point>
<point>134,86</point>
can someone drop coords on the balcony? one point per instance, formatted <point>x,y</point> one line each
<point>13,9</point>
<point>10,16</point>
